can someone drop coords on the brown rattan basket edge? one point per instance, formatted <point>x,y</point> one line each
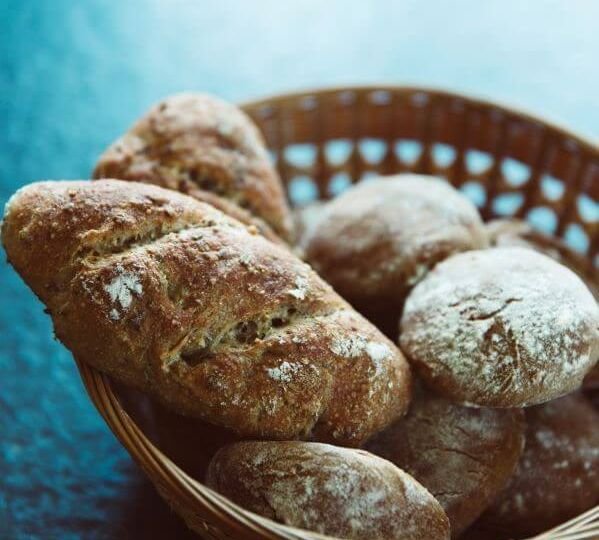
<point>585,142</point>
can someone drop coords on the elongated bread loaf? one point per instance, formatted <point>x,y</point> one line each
<point>201,145</point>
<point>341,492</point>
<point>170,295</point>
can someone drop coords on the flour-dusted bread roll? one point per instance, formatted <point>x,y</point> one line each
<point>339,492</point>
<point>463,456</point>
<point>203,146</point>
<point>168,294</point>
<point>503,327</point>
<point>378,239</point>
<point>557,477</point>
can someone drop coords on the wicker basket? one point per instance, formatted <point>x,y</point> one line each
<point>510,162</point>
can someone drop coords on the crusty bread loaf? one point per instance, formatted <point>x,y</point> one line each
<point>557,477</point>
<point>203,146</point>
<point>170,295</point>
<point>502,327</point>
<point>374,242</point>
<point>463,456</point>
<point>336,491</point>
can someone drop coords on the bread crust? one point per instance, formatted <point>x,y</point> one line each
<point>515,232</point>
<point>463,456</point>
<point>205,147</point>
<point>377,240</point>
<point>557,477</point>
<point>170,295</point>
<point>335,491</point>
<point>502,327</point>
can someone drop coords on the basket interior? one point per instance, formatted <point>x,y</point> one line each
<point>508,163</point>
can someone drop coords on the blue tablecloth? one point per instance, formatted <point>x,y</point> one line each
<point>75,74</point>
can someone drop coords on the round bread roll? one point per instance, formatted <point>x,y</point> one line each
<point>463,456</point>
<point>335,491</point>
<point>206,148</point>
<point>557,477</point>
<point>503,327</point>
<point>378,239</point>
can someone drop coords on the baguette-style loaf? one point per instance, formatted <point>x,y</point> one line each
<point>341,492</point>
<point>205,147</point>
<point>168,294</point>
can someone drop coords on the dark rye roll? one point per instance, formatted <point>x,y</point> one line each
<point>377,240</point>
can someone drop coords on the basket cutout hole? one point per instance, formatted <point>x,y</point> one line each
<point>302,190</point>
<point>507,204</point>
<point>408,151</point>
<point>443,154</point>
<point>308,103</point>
<point>542,218</point>
<point>515,172</point>
<point>576,237</point>
<point>588,209</point>
<point>478,162</point>
<point>475,192</point>
<point>552,188</point>
<point>338,184</point>
<point>419,99</point>
<point>337,151</point>
<point>380,97</point>
<point>369,175</point>
<point>347,97</point>
<point>372,150</point>
<point>301,155</point>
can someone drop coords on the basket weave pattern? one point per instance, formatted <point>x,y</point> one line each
<point>322,141</point>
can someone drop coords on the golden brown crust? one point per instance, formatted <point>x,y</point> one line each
<point>557,477</point>
<point>335,491</point>
<point>463,456</point>
<point>170,295</point>
<point>374,242</point>
<point>199,144</point>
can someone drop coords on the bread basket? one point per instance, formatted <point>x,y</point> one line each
<point>509,162</point>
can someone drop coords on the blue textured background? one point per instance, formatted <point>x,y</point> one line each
<point>73,75</point>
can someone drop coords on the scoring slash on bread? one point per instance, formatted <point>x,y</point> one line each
<point>168,294</point>
<point>503,327</point>
<point>339,492</point>
<point>208,148</point>
<point>377,240</point>
<point>462,455</point>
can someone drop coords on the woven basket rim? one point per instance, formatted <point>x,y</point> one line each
<point>232,518</point>
<point>487,102</point>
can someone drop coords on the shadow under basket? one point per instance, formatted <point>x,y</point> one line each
<point>508,162</point>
